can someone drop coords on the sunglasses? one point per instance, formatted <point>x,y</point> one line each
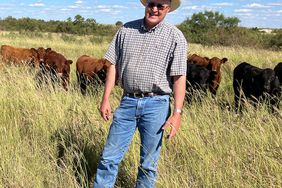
<point>151,5</point>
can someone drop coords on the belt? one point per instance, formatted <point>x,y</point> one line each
<point>141,95</point>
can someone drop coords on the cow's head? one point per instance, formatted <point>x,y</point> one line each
<point>101,68</point>
<point>41,53</point>
<point>267,79</point>
<point>215,63</point>
<point>63,71</point>
<point>34,58</point>
<point>38,55</point>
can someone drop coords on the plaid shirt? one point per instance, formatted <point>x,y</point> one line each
<point>147,60</point>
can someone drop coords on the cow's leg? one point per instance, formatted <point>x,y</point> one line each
<point>83,84</point>
<point>237,95</point>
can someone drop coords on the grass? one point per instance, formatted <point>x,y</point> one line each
<point>53,138</point>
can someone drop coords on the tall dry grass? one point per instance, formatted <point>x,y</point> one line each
<point>53,138</point>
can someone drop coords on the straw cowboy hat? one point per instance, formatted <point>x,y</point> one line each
<point>174,4</point>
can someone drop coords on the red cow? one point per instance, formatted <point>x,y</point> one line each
<point>90,70</point>
<point>19,56</point>
<point>212,64</point>
<point>55,67</point>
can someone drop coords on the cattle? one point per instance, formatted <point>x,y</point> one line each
<point>256,85</point>
<point>19,56</point>
<point>41,52</point>
<point>54,67</point>
<point>213,64</point>
<point>196,59</point>
<point>278,72</point>
<point>198,81</point>
<point>90,70</point>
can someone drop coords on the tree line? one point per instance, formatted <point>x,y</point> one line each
<point>213,28</point>
<point>206,28</point>
<point>78,25</point>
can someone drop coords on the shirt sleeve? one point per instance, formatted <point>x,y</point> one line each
<point>179,56</point>
<point>113,51</point>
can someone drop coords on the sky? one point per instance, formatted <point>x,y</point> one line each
<point>252,13</point>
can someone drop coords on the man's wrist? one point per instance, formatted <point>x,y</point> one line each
<point>178,110</point>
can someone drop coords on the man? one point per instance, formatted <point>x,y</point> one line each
<point>148,56</point>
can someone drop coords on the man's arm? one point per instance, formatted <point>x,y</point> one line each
<point>105,107</point>
<point>179,89</point>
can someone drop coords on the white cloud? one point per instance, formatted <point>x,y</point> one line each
<point>64,9</point>
<point>37,4</point>
<point>275,4</point>
<point>191,8</point>
<point>101,6</point>
<point>105,10</point>
<point>79,2</point>
<point>73,6</point>
<point>242,10</point>
<point>119,6</point>
<point>224,4</point>
<point>256,5</point>
<point>279,11</point>
<point>113,9</point>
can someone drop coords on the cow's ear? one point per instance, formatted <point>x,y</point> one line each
<point>69,61</point>
<point>33,50</point>
<point>207,58</point>
<point>224,60</point>
<point>48,50</point>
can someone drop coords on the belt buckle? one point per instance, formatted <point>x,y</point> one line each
<point>137,95</point>
<point>151,94</point>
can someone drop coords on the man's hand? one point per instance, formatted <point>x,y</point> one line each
<point>174,123</point>
<point>105,109</point>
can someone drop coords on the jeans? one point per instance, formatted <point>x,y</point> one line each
<point>148,114</point>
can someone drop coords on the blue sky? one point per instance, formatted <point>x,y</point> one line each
<point>252,13</point>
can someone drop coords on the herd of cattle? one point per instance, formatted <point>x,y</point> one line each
<point>249,82</point>
<point>203,74</point>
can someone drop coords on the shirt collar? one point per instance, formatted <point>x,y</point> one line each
<point>159,25</point>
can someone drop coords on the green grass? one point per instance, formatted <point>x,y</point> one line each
<point>53,138</point>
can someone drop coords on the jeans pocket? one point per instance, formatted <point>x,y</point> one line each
<point>162,98</point>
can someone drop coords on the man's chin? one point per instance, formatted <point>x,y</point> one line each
<point>153,20</point>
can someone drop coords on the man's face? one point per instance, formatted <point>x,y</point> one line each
<point>156,11</point>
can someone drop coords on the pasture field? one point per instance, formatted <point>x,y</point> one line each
<point>53,138</point>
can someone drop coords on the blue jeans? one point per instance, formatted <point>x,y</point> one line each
<point>148,114</point>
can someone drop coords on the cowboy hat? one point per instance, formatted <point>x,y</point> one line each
<point>174,4</point>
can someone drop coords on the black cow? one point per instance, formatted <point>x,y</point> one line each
<point>278,72</point>
<point>198,80</point>
<point>256,84</point>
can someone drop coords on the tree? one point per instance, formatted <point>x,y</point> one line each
<point>119,24</point>
<point>210,20</point>
<point>207,27</point>
<point>78,19</point>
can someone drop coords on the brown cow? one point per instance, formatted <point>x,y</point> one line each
<point>212,64</point>
<point>55,67</point>
<point>90,70</point>
<point>19,56</point>
<point>195,59</point>
<point>41,52</point>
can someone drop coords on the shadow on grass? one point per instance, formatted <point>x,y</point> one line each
<point>82,155</point>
